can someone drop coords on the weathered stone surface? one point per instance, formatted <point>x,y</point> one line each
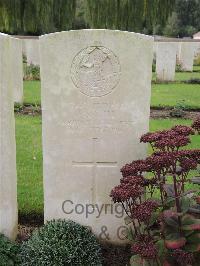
<point>197,49</point>
<point>96,88</point>
<point>166,61</point>
<point>31,51</point>
<point>8,187</point>
<point>17,69</point>
<point>187,53</point>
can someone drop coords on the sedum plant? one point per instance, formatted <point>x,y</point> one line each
<point>162,213</point>
<point>61,243</point>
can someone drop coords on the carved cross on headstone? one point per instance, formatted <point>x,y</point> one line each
<point>94,164</point>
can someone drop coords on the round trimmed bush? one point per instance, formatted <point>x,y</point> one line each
<point>59,243</point>
<point>8,252</point>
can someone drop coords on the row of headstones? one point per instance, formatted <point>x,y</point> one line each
<point>96,104</point>
<point>170,54</point>
<point>30,48</point>
<point>96,87</point>
<point>167,55</point>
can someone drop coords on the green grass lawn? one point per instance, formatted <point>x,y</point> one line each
<point>181,76</point>
<point>32,92</point>
<point>162,94</point>
<point>173,93</point>
<point>29,159</point>
<point>29,164</point>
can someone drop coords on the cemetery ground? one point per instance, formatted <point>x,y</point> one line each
<point>29,161</point>
<point>30,187</point>
<point>29,144</point>
<point>163,95</point>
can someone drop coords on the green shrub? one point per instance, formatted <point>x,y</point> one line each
<point>179,68</point>
<point>31,72</point>
<point>8,252</point>
<point>179,109</point>
<point>60,243</point>
<point>192,81</point>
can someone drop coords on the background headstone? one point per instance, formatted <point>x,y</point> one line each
<point>197,49</point>
<point>31,51</point>
<point>17,69</point>
<point>166,61</point>
<point>96,88</point>
<point>187,53</point>
<point>8,179</point>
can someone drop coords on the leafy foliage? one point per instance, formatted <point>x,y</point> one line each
<point>8,252</point>
<point>31,72</point>
<point>185,19</point>
<point>164,231</point>
<point>61,243</point>
<point>178,110</point>
<point>134,15</point>
<point>36,16</point>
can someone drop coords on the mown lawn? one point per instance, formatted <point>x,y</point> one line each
<point>29,163</point>
<point>181,76</point>
<point>29,159</point>
<point>163,95</point>
<point>32,92</point>
<point>172,94</point>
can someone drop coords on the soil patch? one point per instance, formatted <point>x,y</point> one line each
<point>166,113</point>
<point>156,112</point>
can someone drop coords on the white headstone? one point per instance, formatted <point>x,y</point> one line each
<point>17,71</point>
<point>178,49</point>
<point>197,49</point>
<point>166,61</point>
<point>187,53</point>
<point>8,179</point>
<point>31,51</point>
<point>96,87</point>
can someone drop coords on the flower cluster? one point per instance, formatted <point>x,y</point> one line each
<point>171,139</point>
<point>196,125</point>
<point>188,164</point>
<point>143,212</point>
<point>182,257</point>
<point>183,130</point>
<point>135,168</point>
<point>172,142</point>
<point>133,179</point>
<point>165,173</point>
<point>159,162</point>
<point>145,247</point>
<point>128,189</point>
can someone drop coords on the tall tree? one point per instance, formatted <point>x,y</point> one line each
<point>10,15</point>
<point>36,16</point>
<point>64,14</point>
<point>132,15</point>
<point>185,20</point>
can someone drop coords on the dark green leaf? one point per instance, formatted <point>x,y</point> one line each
<point>172,221</point>
<point>194,238</point>
<point>161,247</point>
<point>185,203</point>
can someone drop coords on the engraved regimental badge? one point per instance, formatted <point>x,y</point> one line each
<point>95,71</point>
